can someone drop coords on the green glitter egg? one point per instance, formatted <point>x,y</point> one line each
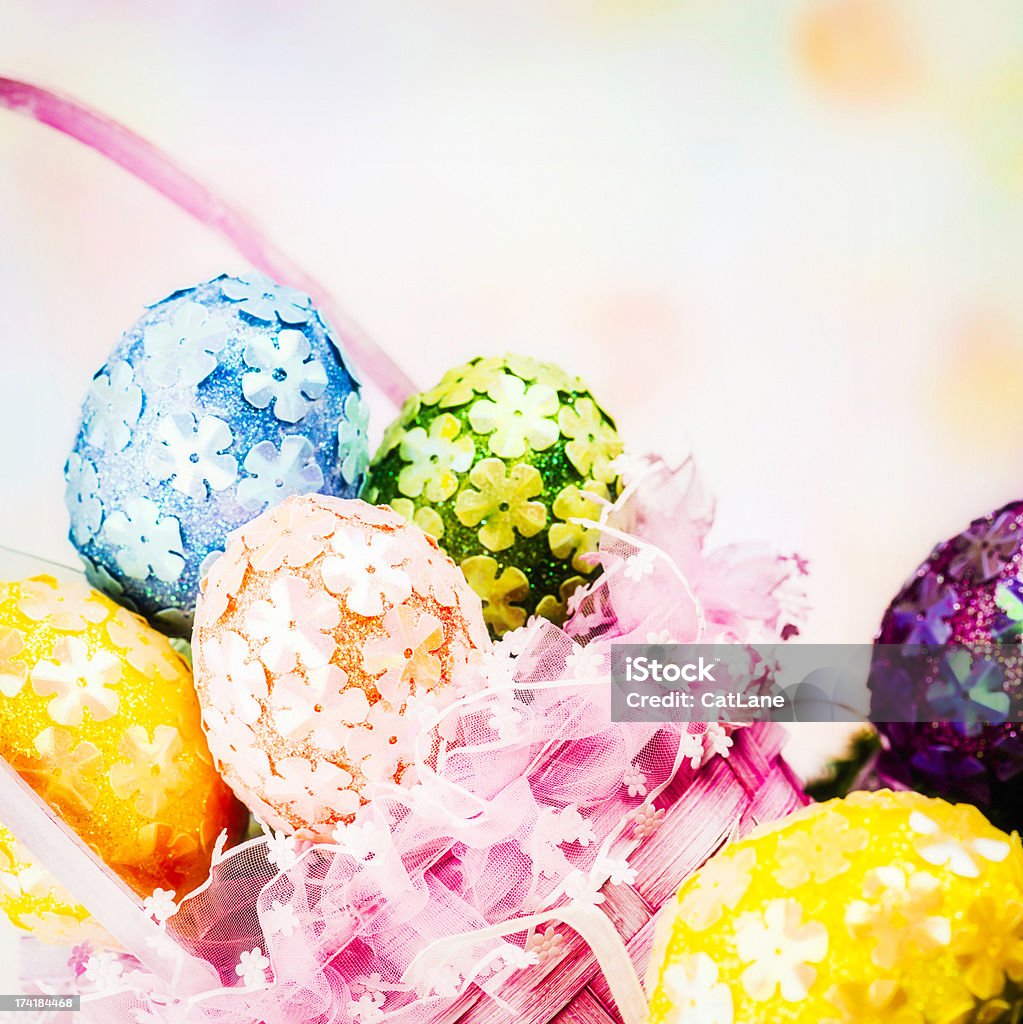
<point>495,462</point>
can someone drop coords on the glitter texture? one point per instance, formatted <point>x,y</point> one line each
<point>220,401</point>
<point>880,907</point>
<point>968,591</point>
<point>99,716</point>
<point>325,637</point>
<point>497,462</point>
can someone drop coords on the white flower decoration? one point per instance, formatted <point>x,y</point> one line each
<point>277,474</point>
<point>515,958</point>
<point>718,741</point>
<point>445,980</point>
<point>281,850</point>
<point>696,995</point>
<point>506,719</point>
<point>639,565</point>
<point>78,681</point>
<point>190,454</point>
<point>183,349</point>
<point>160,906</point>
<point>284,374</point>
<point>516,417</point>
<point>252,967</point>
<point>574,828</point>
<point>779,949</point>
<point>81,495</point>
<point>330,726</point>
<point>280,918</point>
<point>424,712</point>
<point>293,626</point>
<point>363,842</point>
<point>584,662</point>
<point>690,747</point>
<point>939,848</point>
<point>146,542</point>
<point>104,969</point>
<point>367,569</point>
<point>581,888</point>
<point>615,870</point>
<point>263,299</point>
<point>378,761</point>
<point>367,1010</point>
<point>352,438</point>
<point>635,781</point>
<point>112,407</point>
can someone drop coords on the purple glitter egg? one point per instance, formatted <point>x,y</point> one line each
<point>949,719</point>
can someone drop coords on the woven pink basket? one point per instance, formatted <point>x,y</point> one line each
<point>728,799</point>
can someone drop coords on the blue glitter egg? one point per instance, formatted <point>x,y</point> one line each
<point>218,403</point>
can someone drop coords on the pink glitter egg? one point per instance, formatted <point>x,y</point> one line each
<point>322,634</point>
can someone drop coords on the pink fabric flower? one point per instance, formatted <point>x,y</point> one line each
<point>404,658</point>
<point>288,535</point>
<point>292,627</point>
<point>367,569</point>
<point>314,792</point>
<point>235,682</point>
<point>221,582</point>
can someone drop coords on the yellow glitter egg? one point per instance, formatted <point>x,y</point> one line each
<point>98,715</point>
<point>880,907</point>
<point>34,900</point>
<point>325,634</point>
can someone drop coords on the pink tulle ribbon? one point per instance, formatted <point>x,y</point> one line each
<point>149,164</point>
<point>451,897</point>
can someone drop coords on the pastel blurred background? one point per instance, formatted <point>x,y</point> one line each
<point>785,236</point>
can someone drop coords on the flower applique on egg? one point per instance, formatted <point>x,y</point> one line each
<point>503,462</point>
<point>99,716</point>
<point>950,728</point>
<point>886,907</point>
<point>220,401</point>
<point>325,635</point>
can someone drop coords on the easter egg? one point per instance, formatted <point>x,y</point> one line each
<point>951,733</point>
<point>503,462</point>
<point>324,635</point>
<point>883,906</point>
<point>98,715</point>
<point>36,902</point>
<point>221,400</point>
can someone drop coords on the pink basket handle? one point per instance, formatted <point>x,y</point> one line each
<point>156,169</point>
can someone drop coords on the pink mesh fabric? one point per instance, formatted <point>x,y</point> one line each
<point>527,798</point>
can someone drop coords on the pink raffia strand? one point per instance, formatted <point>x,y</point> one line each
<point>156,169</point>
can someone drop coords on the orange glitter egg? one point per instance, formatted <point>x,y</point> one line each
<point>99,716</point>
<point>323,634</point>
